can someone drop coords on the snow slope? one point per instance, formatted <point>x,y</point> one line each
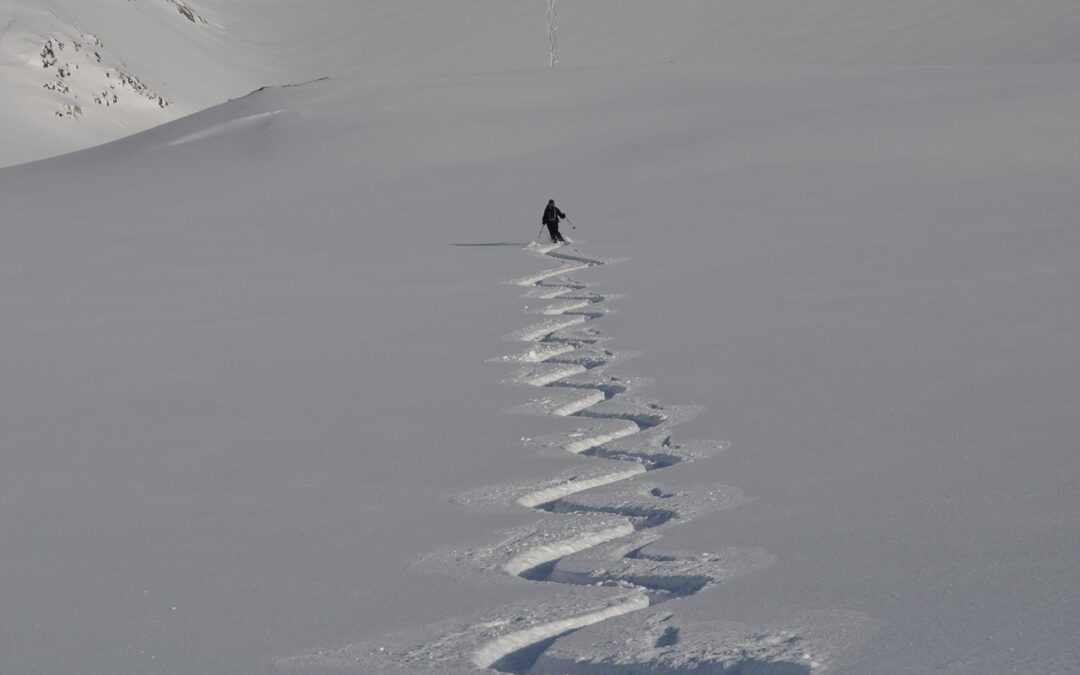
<point>82,72</point>
<point>277,403</point>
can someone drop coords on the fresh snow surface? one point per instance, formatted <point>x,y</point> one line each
<point>286,389</point>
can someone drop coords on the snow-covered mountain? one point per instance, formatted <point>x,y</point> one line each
<point>287,389</point>
<point>75,73</point>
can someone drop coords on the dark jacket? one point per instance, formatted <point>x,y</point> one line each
<point>552,214</point>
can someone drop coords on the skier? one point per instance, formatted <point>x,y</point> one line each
<point>551,219</point>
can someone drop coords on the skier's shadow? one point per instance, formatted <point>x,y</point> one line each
<point>497,243</point>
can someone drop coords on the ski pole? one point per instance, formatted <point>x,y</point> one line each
<point>572,226</point>
<point>542,226</point>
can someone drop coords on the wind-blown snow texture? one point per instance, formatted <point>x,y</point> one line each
<point>269,403</point>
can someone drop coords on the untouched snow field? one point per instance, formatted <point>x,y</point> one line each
<point>286,389</point>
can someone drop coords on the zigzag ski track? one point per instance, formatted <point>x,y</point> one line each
<point>597,523</point>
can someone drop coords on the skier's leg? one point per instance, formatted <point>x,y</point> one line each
<point>553,230</point>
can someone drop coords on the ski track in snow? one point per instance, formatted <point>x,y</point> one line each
<point>564,357</point>
<point>599,520</point>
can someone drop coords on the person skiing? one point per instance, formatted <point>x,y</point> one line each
<point>551,219</point>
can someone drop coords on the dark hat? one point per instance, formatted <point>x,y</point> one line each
<point>551,201</point>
